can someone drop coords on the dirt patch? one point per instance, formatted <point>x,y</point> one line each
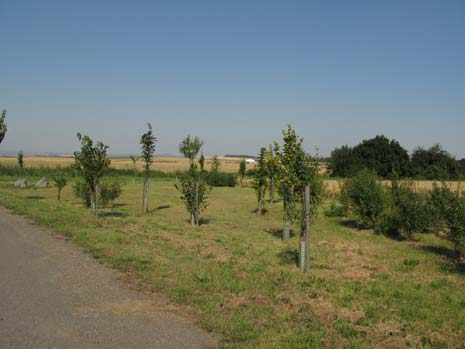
<point>392,343</point>
<point>388,328</point>
<point>355,262</point>
<point>321,308</point>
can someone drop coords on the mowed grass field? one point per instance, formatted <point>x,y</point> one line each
<point>236,277</point>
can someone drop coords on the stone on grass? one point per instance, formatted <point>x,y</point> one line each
<point>21,183</point>
<point>43,183</point>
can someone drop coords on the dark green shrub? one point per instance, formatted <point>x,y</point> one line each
<point>365,197</point>
<point>407,211</point>
<point>455,222</point>
<point>82,191</point>
<point>440,200</point>
<point>221,179</point>
<point>411,208</point>
<point>109,192</point>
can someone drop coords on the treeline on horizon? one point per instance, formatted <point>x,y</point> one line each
<point>388,159</point>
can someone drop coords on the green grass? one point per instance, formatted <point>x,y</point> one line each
<point>240,280</point>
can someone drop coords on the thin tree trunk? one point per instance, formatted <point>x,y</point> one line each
<point>96,197</point>
<point>197,204</point>
<point>287,214</point>
<point>145,197</point>
<point>260,200</point>
<point>307,228</point>
<point>272,188</point>
<point>193,219</point>
<point>59,194</point>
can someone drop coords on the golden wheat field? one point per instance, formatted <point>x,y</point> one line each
<point>165,164</point>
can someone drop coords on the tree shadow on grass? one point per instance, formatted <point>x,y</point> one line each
<point>289,256</point>
<point>448,266</point>
<point>35,197</point>
<point>113,214</point>
<point>264,211</point>
<point>278,233</point>
<point>162,207</point>
<point>202,221</point>
<point>351,224</point>
<point>119,204</point>
<point>440,250</point>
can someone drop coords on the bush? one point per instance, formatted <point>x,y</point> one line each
<point>82,191</point>
<point>407,212</point>
<point>109,192</point>
<point>412,210</point>
<point>365,197</point>
<point>454,217</point>
<point>335,210</point>
<point>440,199</point>
<point>221,179</point>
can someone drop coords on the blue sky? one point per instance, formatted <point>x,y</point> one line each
<point>232,72</point>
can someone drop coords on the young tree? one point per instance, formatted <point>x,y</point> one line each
<point>202,162</point>
<point>311,192</point>
<point>92,161</point>
<point>190,147</point>
<point>300,181</point>
<point>60,182</point>
<point>193,183</point>
<point>455,220</point>
<point>20,162</point>
<point>3,127</point>
<point>260,180</point>
<point>272,164</point>
<point>215,164</point>
<point>134,169</point>
<point>147,142</point>
<point>242,169</point>
<point>291,165</point>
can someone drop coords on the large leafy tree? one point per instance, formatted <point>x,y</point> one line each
<point>434,163</point>
<point>92,161</point>
<point>147,142</point>
<point>383,156</point>
<point>378,154</point>
<point>343,162</point>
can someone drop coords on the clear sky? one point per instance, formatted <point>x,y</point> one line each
<point>232,72</point>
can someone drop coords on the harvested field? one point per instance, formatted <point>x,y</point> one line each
<point>164,164</point>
